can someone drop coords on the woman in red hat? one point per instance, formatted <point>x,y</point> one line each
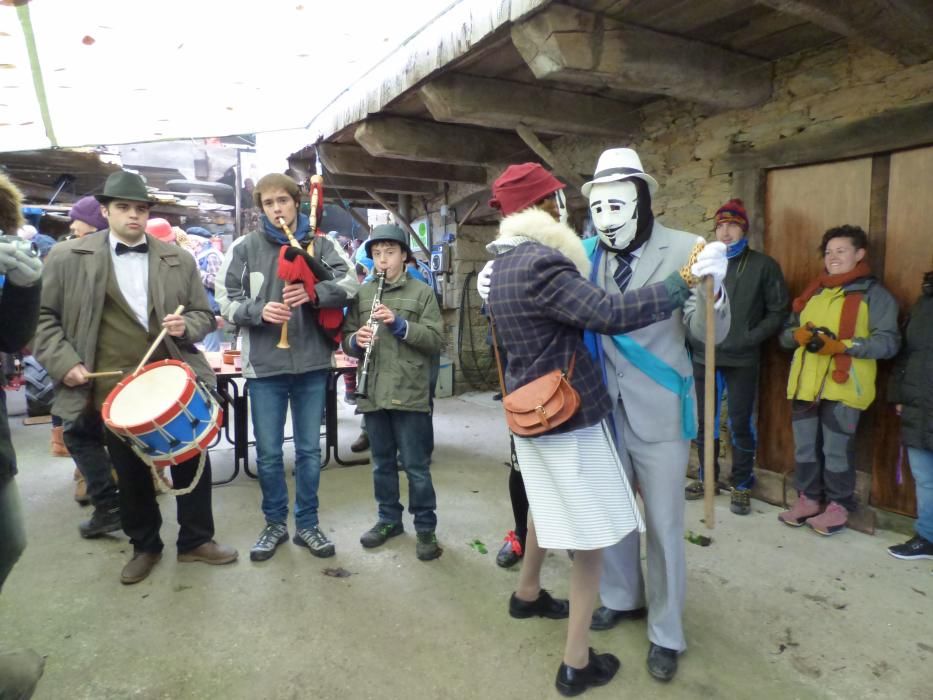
<point>540,302</point>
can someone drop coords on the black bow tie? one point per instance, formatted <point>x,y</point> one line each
<point>123,248</point>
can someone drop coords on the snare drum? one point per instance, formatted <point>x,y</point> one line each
<point>165,413</point>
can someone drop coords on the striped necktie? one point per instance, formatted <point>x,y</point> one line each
<point>623,271</point>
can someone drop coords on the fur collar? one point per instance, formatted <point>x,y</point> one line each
<point>539,226</point>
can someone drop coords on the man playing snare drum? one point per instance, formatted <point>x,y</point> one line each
<point>105,298</point>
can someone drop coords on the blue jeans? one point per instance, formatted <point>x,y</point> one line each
<point>269,399</point>
<point>921,464</point>
<point>410,434</point>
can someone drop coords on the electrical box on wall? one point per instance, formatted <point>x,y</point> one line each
<point>440,258</point>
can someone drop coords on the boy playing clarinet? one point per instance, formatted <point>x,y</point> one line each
<point>404,332</point>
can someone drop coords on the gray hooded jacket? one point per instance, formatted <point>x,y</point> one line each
<point>249,279</point>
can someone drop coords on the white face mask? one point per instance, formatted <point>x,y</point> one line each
<point>614,208</point>
<point>563,211</point>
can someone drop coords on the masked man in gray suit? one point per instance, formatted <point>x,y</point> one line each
<point>649,374</point>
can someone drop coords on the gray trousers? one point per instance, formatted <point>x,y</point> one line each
<point>824,449</point>
<point>657,470</point>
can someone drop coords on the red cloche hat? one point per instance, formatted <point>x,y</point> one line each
<point>520,186</point>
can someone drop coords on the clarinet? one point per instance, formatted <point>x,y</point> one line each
<point>363,383</point>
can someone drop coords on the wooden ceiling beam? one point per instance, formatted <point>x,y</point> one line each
<point>397,185</point>
<point>900,28</point>
<point>570,45</point>
<point>419,140</point>
<point>349,159</point>
<point>501,104</point>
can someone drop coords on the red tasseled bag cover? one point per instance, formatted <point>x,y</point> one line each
<point>297,270</point>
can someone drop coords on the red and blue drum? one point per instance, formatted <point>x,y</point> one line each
<point>164,413</point>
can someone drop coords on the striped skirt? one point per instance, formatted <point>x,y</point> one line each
<point>579,495</point>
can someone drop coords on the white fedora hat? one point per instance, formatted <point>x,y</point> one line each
<point>619,164</point>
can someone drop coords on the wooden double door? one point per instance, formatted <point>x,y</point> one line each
<point>891,197</point>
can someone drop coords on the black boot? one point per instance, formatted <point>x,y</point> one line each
<point>106,518</point>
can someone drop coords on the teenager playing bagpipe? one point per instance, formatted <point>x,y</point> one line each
<point>301,261</point>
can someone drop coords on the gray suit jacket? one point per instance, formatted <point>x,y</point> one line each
<point>74,284</point>
<point>654,412</point>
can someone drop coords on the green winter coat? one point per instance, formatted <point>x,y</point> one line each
<point>400,369</point>
<point>758,299</point>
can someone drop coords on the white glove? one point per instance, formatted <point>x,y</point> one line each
<point>483,280</point>
<point>19,262</point>
<point>712,261</point>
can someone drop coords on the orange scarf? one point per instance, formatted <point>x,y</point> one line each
<point>843,363</point>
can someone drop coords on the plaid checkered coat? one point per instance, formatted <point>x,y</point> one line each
<point>541,302</point>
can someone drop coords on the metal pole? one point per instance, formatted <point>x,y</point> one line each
<point>237,204</point>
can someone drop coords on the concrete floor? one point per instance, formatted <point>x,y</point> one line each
<point>772,612</point>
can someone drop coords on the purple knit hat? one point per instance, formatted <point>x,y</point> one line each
<point>87,209</point>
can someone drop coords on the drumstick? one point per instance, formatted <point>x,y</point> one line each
<point>155,343</point>
<point>113,373</point>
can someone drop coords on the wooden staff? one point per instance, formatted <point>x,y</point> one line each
<point>155,343</point>
<point>709,409</point>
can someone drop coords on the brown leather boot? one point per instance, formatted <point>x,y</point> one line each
<point>81,489</point>
<point>139,567</point>
<point>58,442</point>
<point>210,553</point>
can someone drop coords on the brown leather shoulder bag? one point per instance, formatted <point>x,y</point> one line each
<point>540,405</point>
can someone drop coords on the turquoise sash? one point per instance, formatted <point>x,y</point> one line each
<point>646,361</point>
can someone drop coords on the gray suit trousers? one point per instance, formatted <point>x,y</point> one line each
<point>657,470</point>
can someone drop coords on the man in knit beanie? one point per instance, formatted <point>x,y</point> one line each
<point>759,298</point>
<point>86,217</point>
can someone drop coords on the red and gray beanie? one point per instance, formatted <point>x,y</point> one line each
<point>733,212</point>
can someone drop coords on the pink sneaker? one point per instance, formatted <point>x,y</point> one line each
<point>804,508</point>
<point>831,520</point>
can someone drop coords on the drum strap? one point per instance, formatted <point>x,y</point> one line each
<point>163,484</point>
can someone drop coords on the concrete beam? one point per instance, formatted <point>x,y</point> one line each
<point>570,45</point>
<point>380,184</point>
<point>414,139</point>
<point>332,194</point>
<point>501,104</point>
<point>558,165</point>
<point>906,127</point>
<point>901,28</point>
<point>348,159</point>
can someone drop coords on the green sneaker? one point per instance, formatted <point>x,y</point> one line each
<point>740,503</point>
<point>427,547</point>
<point>379,533</point>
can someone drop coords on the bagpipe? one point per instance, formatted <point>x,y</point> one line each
<point>303,265</point>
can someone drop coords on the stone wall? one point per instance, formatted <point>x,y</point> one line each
<point>814,92</point>
<point>466,339</point>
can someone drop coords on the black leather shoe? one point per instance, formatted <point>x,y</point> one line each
<point>606,618</point>
<point>544,606</point>
<point>599,671</point>
<point>511,552</point>
<point>104,519</point>
<point>662,662</point>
